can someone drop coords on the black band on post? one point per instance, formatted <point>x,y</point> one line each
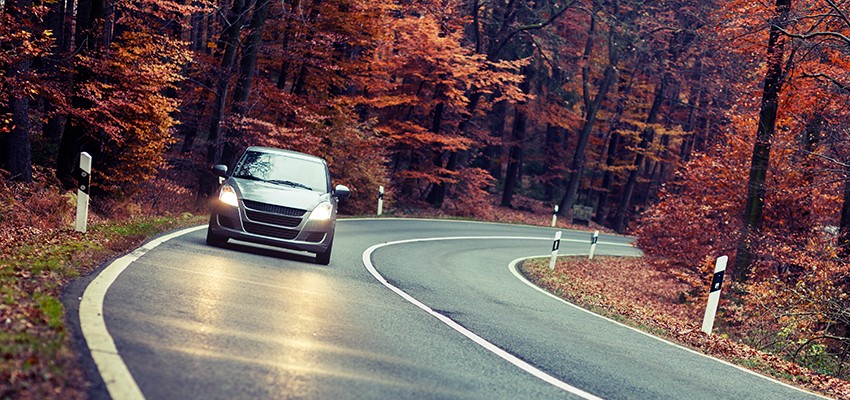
<point>717,281</point>
<point>83,180</point>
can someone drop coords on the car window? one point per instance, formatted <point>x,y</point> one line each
<point>283,170</point>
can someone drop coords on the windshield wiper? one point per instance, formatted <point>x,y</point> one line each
<point>290,183</point>
<point>246,176</point>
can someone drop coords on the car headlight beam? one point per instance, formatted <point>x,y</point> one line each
<point>227,195</point>
<point>322,212</point>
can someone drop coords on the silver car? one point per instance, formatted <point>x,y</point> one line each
<point>279,198</point>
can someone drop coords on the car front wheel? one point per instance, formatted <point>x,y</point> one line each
<point>324,257</point>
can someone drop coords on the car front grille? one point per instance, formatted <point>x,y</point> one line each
<point>274,219</point>
<point>267,230</point>
<point>274,209</point>
<point>316,237</point>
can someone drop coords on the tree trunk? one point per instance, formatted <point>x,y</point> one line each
<point>85,41</point>
<point>607,178</point>
<point>109,18</point>
<point>438,191</point>
<point>17,153</point>
<point>761,150</point>
<point>493,153</point>
<point>229,41</point>
<point>248,64</point>
<point>844,223</point>
<point>591,109</point>
<point>57,23</point>
<point>247,70</point>
<point>552,150</point>
<point>694,99</point>
<point>514,156</point>
<point>516,142</point>
<point>647,136</point>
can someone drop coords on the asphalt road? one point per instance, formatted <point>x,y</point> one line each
<point>436,319</point>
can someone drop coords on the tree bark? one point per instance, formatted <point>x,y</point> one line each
<point>552,150</point>
<point>514,156</point>
<point>18,153</point>
<point>57,22</point>
<point>694,99</point>
<point>247,70</point>
<point>844,223</point>
<point>607,178</point>
<point>73,137</point>
<point>756,188</point>
<point>516,142</point>
<point>647,136</point>
<point>229,41</point>
<point>612,151</point>
<point>248,64</point>
<point>592,107</point>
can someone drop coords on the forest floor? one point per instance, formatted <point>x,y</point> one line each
<point>650,300</point>
<point>40,255</point>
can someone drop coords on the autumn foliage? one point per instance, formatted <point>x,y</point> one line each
<point>648,114</point>
<point>793,300</point>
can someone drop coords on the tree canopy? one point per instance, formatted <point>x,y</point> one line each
<point>705,128</point>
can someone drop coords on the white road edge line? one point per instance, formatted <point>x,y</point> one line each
<point>367,262</point>
<point>116,376</point>
<point>513,268</point>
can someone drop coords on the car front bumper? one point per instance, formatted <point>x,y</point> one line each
<point>296,233</point>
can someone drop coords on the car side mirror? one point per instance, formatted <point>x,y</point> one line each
<point>220,170</point>
<point>341,192</point>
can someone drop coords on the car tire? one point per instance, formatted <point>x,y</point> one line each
<point>215,240</point>
<point>324,258</point>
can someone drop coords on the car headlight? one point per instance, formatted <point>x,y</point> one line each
<point>227,195</point>
<point>322,212</point>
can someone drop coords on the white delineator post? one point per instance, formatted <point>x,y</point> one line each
<point>84,182</point>
<point>555,246</point>
<point>593,240</point>
<point>714,294</point>
<point>555,217</point>
<point>380,200</point>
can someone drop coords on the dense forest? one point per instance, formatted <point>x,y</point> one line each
<point>705,128</point>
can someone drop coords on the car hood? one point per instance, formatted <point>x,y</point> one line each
<point>281,195</point>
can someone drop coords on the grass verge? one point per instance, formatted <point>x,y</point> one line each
<point>38,357</point>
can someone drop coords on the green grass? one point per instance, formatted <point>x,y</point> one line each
<point>52,309</point>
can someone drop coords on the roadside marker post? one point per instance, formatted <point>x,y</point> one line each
<point>714,294</point>
<point>83,175</point>
<point>555,217</point>
<point>380,200</point>
<point>593,240</point>
<point>555,246</point>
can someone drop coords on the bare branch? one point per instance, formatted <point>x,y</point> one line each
<point>536,26</point>
<point>835,81</point>
<point>830,159</point>
<point>806,36</point>
<point>840,13</point>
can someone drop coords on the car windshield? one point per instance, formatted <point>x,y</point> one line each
<point>282,169</point>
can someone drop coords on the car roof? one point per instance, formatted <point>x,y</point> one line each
<point>290,153</point>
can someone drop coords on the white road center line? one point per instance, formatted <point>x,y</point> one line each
<point>120,383</point>
<point>367,261</point>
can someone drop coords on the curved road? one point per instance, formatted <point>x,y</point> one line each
<point>390,318</point>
